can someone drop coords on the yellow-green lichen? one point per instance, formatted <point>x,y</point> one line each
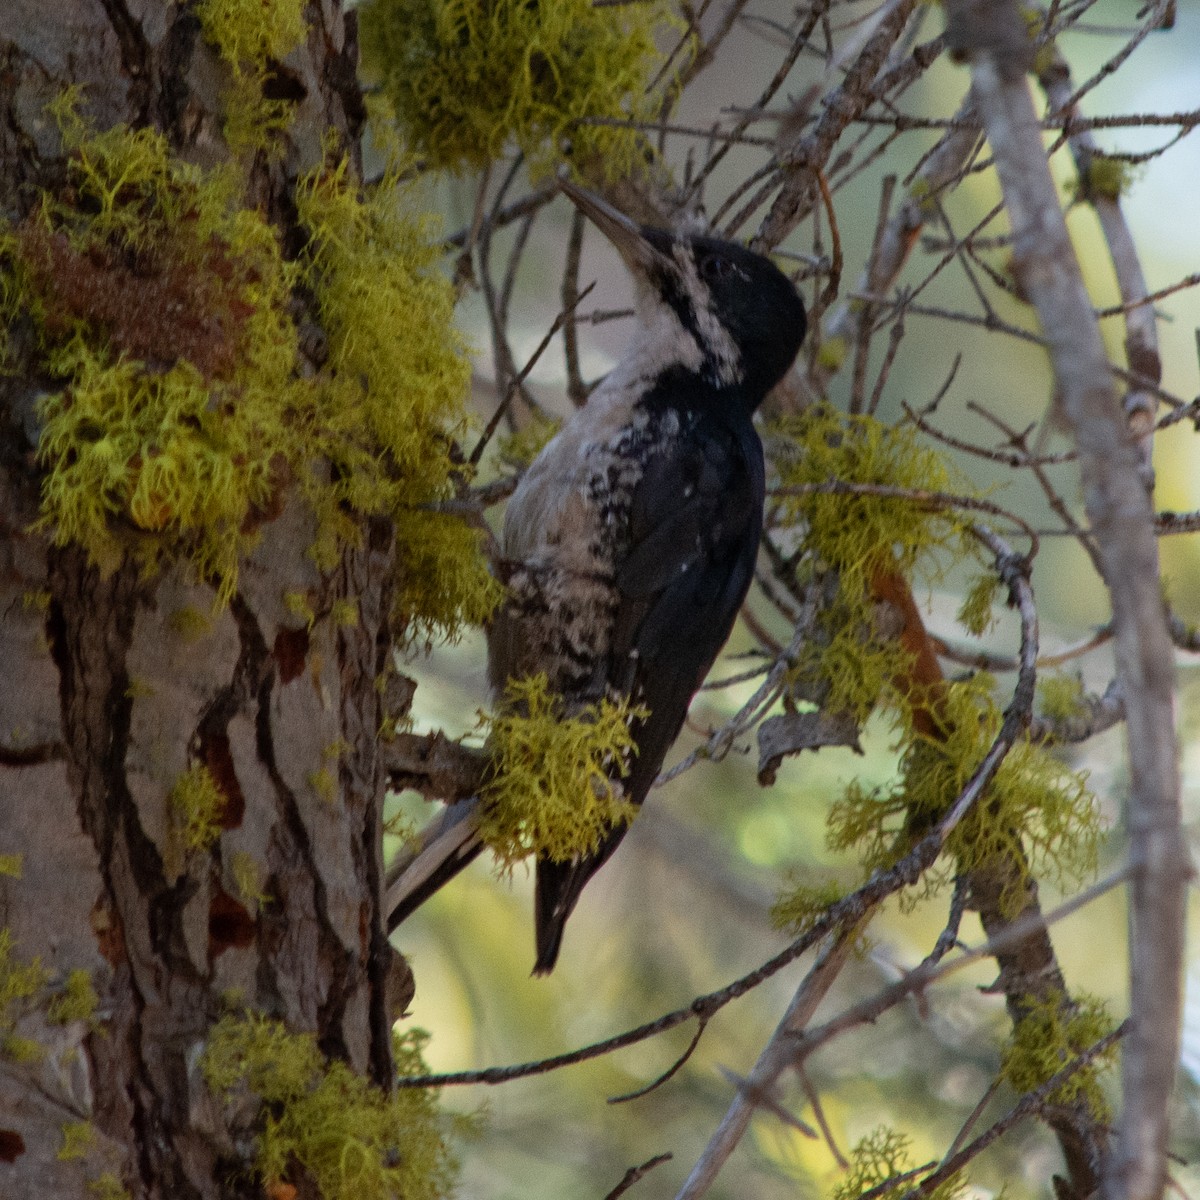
<point>76,1002</point>
<point>832,354</point>
<point>107,1187</point>
<point>976,613</point>
<point>798,908</point>
<point>178,439</point>
<point>352,1140</point>
<point>12,865</point>
<point>78,1139</point>
<point>140,689</point>
<point>197,807</point>
<point>921,190</point>
<point>324,784</point>
<point>251,36</point>
<point>392,396</point>
<point>470,78</point>
<point>1036,810</point>
<point>247,877</point>
<point>863,540</point>
<point>1048,1037</point>
<point>189,623</point>
<point>1106,178</point>
<point>1060,697</point>
<point>344,613</point>
<point>552,791</point>
<point>299,604</point>
<point>882,1155</point>
<point>520,448</point>
<point>164,438</point>
<point>20,982</point>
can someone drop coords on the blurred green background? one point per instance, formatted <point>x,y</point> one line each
<point>683,908</point>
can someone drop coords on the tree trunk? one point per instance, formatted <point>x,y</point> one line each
<point>119,681</point>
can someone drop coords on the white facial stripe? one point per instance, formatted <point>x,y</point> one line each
<point>719,347</point>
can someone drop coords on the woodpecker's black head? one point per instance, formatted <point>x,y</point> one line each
<point>713,307</point>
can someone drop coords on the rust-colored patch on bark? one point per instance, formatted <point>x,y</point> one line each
<point>219,762</point>
<point>159,304</point>
<point>229,924</point>
<point>291,649</point>
<point>12,1145</point>
<point>110,939</point>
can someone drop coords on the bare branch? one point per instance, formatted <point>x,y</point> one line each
<point>1122,521</point>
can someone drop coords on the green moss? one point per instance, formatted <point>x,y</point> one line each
<point>354,1141</point>
<point>76,1002</point>
<point>1035,808</point>
<point>1051,1035</point>
<point>551,792</point>
<point>469,78</point>
<point>886,1154</point>
<point>197,806</point>
<point>78,1139</point>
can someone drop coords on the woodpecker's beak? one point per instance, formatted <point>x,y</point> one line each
<point>640,254</point>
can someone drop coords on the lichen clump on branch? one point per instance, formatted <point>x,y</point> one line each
<point>1037,812</point>
<point>552,790</point>
<point>883,1155</point>
<point>162,306</point>
<point>860,539</point>
<point>469,78</point>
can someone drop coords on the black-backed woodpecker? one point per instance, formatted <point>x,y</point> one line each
<point>634,533</point>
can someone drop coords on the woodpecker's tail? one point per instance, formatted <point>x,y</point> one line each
<point>443,848</point>
<point>559,886</point>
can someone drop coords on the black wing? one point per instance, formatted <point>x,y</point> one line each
<point>695,525</point>
<point>694,529</point>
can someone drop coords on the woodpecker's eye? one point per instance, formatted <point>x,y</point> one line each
<point>714,267</point>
